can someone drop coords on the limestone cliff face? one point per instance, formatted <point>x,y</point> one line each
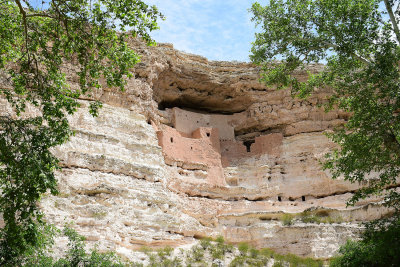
<point>195,148</point>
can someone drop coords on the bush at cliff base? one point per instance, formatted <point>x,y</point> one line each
<point>75,255</point>
<point>379,246</point>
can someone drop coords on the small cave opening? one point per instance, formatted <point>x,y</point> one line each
<point>172,139</point>
<point>208,134</point>
<point>279,198</point>
<point>303,198</point>
<point>248,144</point>
<point>163,105</point>
<point>195,105</point>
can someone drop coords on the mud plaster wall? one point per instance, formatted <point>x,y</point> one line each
<point>199,151</point>
<point>266,144</point>
<point>187,122</point>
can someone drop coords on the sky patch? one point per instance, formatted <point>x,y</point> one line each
<point>216,29</point>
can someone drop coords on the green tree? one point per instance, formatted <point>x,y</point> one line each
<point>36,39</point>
<point>379,246</point>
<point>359,42</point>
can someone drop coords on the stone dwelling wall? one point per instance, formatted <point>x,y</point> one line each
<point>232,151</point>
<point>188,121</point>
<point>205,149</point>
<point>199,151</point>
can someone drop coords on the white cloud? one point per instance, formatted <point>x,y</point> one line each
<point>216,29</point>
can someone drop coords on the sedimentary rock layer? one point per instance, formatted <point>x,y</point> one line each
<point>195,148</point>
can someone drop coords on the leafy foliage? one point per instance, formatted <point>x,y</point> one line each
<point>359,41</point>
<point>75,256</point>
<point>379,246</point>
<point>35,41</point>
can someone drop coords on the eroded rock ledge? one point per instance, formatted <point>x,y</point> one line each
<point>195,148</point>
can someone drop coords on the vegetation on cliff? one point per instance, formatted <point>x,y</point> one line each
<point>35,40</point>
<point>359,40</point>
<point>207,252</point>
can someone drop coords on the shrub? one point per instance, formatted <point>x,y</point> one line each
<point>217,252</point>
<point>308,217</point>
<point>220,239</point>
<point>329,219</point>
<point>197,253</point>
<point>164,252</point>
<point>205,243</point>
<point>243,248</point>
<point>75,256</point>
<point>278,264</point>
<point>239,261</point>
<point>254,253</point>
<point>287,219</point>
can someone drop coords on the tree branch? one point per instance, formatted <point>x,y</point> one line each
<point>22,10</point>
<point>393,20</point>
<point>326,44</point>
<point>366,61</point>
<point>39,15</point>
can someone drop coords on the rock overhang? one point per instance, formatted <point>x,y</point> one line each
<point>119,187</point>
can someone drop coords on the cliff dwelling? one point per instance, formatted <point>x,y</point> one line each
<point>207,142</point>
<point>111,142</point>
<point>214,135</point>
<point>222,155</point>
